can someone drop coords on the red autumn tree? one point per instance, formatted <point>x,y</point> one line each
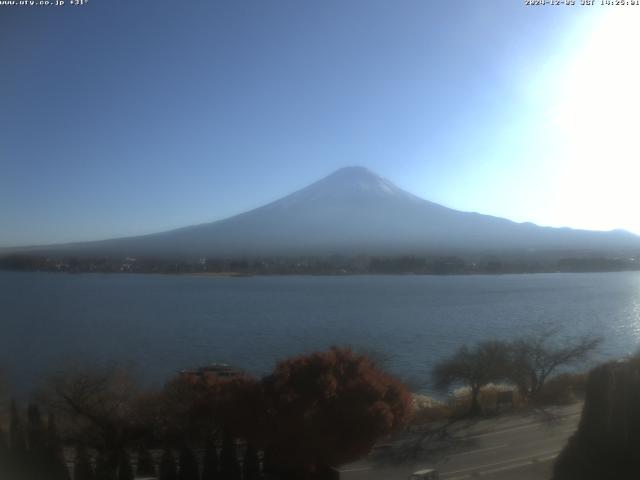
<point>327,408</point>
<point>196,407</point>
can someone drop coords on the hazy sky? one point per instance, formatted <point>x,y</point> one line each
<point>128,117</point>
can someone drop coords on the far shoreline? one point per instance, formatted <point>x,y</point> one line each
<point>333,274</point>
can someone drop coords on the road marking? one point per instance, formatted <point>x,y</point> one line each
<point>478,450</point>
<point>504,465</point>
<point>498,432</point>
<point>549,457</point>
<point>523,464</point>
<point>525,425</point>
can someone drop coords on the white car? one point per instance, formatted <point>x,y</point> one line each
<point>425,474</point>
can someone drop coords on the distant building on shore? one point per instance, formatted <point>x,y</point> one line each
<point>215,371</point>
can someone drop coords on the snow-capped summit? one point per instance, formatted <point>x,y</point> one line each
<point>347,184</point>
<point>358,179</point>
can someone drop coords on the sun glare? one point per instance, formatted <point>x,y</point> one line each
<point>596,120</point>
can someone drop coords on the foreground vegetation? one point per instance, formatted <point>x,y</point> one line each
<point>311,413</point>
<point>527,363</point>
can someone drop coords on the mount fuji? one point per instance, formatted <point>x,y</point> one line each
<point>353,211</point>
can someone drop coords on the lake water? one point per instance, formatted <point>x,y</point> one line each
<point>166,323</point>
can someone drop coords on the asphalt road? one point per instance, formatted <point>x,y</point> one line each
<point>519,446</point>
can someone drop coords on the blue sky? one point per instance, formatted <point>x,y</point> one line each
<point>129,117</point>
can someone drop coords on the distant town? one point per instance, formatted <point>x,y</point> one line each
<point>327,265</point>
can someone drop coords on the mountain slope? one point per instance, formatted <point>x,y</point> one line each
<point>353,211</point>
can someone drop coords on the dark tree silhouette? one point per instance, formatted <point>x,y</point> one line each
<point>473,367</point>
<point>4,446</point>
<point>106,466</point>
<point>125,471</point>
<point>188,465</point>
<point>167,470</point>
<point>37,443</point>
<point>36,432</point>
<point>17,440</point>
<point>56,463</point>
<point>104,404</point>
<point>82,465</point>
<point>268,465</point>
<point>145,466</point>
<point>210,463</point>
<point>229,466</point>
<point>4,455</point>
<point>251,464</point>
<point>606,442</point>
<point>535,358</point>
<point>17,462</point>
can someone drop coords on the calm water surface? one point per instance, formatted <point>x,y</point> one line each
<point>165,323</point>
